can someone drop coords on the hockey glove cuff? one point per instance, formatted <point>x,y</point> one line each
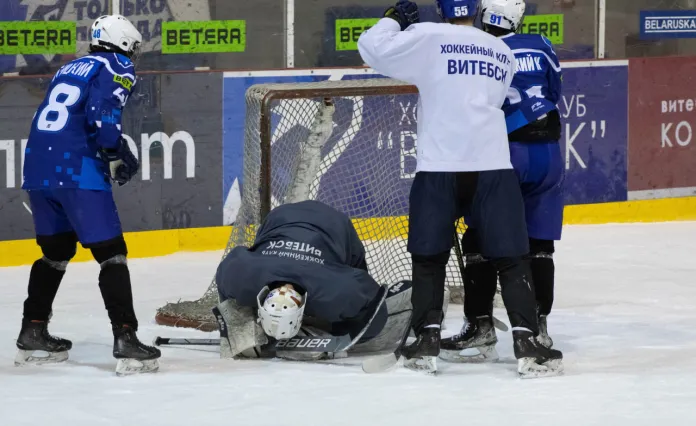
<point>122,163</point>
<point>404,12</point>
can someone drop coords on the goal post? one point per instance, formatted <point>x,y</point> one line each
<point>349,144</point>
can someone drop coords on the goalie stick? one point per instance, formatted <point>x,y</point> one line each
<point>300,344</point>
<point>378,364</point>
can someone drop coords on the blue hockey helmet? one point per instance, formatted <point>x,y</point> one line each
<point>453,9</point>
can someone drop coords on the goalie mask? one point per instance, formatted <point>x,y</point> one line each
<point>505,14</point>
<point>280,311</point>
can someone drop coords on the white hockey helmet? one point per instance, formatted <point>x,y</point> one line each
<point>506,14</point>
<point>280,311</point>
<point>116,33</point>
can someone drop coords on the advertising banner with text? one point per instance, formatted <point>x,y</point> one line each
<point>662,155</point>
<point>174,133</point>
<point>594,110</point>
<point>594,114</point>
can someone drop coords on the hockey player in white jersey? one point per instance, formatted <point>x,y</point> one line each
<point>463,167</point>
<point>534,130</point>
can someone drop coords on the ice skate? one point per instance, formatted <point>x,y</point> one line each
<point>533,359</point>
<point>133,356</point>
<point>543,336</point>
<point>475,343</point>
<point>34,338</point>
<point>422,354</point>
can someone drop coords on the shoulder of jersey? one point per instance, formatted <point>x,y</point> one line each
<point>121,64</point>
<point>114,63</point>
<point>529,41</point>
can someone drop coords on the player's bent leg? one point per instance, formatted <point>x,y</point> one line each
<point>499,209</point>
<point>480,279</point>
<point>543,272</point>
<point>427,299</point>
<point>44,281</point>
<point>433,209</point>
<point>115,286</point>
<point>477,339</point>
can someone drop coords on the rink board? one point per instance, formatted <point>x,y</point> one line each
<point>187,194</point>
<point>160,243</point>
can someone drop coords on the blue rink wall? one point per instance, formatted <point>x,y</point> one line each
<point>191,145</point>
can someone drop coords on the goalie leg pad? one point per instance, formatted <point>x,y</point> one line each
<point>239,331</point>
<point>398,304</point>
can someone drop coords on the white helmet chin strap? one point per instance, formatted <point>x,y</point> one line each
<point>278,320</point>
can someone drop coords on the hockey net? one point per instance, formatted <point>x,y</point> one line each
<point>349,144</point>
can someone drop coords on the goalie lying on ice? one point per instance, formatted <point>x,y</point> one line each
<point>306,275</point>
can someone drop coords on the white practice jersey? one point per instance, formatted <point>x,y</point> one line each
<point>463,75</point>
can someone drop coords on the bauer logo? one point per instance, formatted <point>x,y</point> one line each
<point>304,342</point>
<point>204,37</point>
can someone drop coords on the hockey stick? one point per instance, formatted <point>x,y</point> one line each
<point>168,341</point>
<point>378,364</point>
<point>460,261</point>
<point>299,344</point>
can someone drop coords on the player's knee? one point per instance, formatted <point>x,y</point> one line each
<point>439,259</point>
<point>541,249</point>
<point>112,252</point>
<point>58,249</point>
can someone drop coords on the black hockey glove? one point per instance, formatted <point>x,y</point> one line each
<point>122,162</point>
<point>404,12</point>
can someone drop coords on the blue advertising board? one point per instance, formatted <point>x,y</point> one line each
<point>594,108</point>
<point>594,113</point>
<point>659,24</point>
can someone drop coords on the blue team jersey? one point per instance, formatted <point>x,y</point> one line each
<point>80,114</point>
<point>536,86</point>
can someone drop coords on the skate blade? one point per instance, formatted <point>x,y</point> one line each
<point>426,364</point>
<point>479,354</point>
<point>527,368</point>
<point>130,366</point>
<point>26,357</point>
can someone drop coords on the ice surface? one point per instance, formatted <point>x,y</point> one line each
<point>625,317</point>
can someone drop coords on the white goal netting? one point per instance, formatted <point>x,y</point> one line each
<point>349,144</point>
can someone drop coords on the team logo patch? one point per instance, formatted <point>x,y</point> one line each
<point>123,81</point>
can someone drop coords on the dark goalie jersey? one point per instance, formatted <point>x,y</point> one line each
<point>313,246</point>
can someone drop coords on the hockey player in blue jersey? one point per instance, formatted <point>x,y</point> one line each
<point>75,150</point>
<point>534,130</point>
